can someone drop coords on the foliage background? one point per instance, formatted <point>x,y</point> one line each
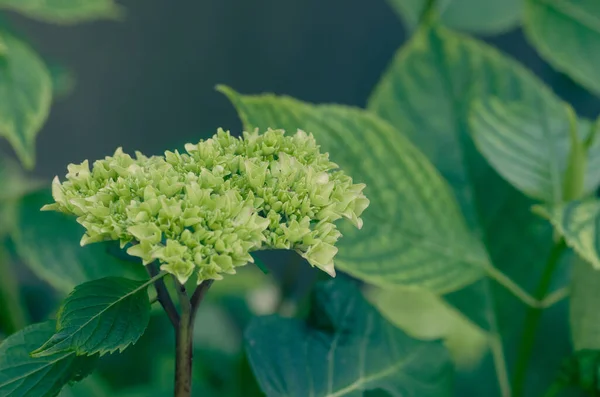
<point>146,83</point>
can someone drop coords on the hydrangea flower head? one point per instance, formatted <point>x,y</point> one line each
<point>206,210</point>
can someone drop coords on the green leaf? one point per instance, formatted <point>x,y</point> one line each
<point>477,16</point>
<point>345,349</point>
<point>413,232</point>
<point>584,304</point>
<point>566,33</point>
<point>100,316</point>
<point>65,11</point>
<point>425,316</point>
<point>57,257</point>
<point>13,182</point>
<point>25,96</point>
<point>427,93</point>
<point>529,147</point>
<point>578,222</point>
<point>92,386</point>
<point>24,376</point>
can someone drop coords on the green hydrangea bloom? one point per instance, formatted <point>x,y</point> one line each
<point>204,211</point>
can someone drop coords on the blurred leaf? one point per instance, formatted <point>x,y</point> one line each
<point>413,232</point>
<point>65,11</point>
<point>530,148</point>
<point>585,306</point>
<point>478,16</point>
<point>24,376</point>
<point>577,222</point>
<point>48,242</point>
<point>345,348</point>
<point>92,386</point>
<point>15,184</point>
<point>63,80</point>
<point>427,93</point>
<point>425,316</point>
<point>100,316</point>
<point>566,33</point>
<point>215,330</point>
<point>25,96</point>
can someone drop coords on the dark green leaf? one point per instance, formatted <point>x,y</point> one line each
<point>481,16</point>
<point>65,11</point>
<point>58,258</point>
<point>530,148</point>
<point>567,34</point>
<point>92,386</point>
<point>25,96</point>
<point>100,316</point>
<point>413,231</point>
<point>345,349</point>
<point>24,376</point>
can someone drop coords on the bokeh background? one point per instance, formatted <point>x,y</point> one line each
<point>147,82</point>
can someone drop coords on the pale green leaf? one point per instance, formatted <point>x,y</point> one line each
<point>48,242</point>
<point>529,147</point>
<point>478,16</point>
<point>579,223</point>
<point>424,315</point>
<point>584,304</point>
<point>14,183</point>
<point>345,348</point>
<point>413,231</point>
<point>24,376</point>
<point>65,11</point>
<point>25,96</point>
<point>100,316</point>
<point>567,34</point>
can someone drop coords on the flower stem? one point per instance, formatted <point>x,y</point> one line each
<point>532,319</point>
<point>162,294</point>
<point>184,346</point>
<point>12,314</point>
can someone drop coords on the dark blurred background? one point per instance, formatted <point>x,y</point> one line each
<point>147,83</point>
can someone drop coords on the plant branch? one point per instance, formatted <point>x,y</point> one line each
<point>514,288</point>
<point>12,314</point>
<point>532,319</point>
<point>163,296</point>
<point>198,295</point>
<point>184,344</point>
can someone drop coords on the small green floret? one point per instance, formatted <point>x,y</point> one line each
<point>204,211</point>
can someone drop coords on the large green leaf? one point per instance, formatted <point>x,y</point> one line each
<point>48,242</point>
<point>413,232</point>
<point>479,16</point>
<point>578,222</point>
<point>24,376</point>
<point>64,11</point>
<point>567,34</point>
<point>25,96</point>
<point>345,348</point>
<point>530,148</point>
<point>100,316</point>
<point>585,304</point>
<point>427,92</point>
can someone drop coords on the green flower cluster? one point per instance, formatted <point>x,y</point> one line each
<point>205,210</point>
